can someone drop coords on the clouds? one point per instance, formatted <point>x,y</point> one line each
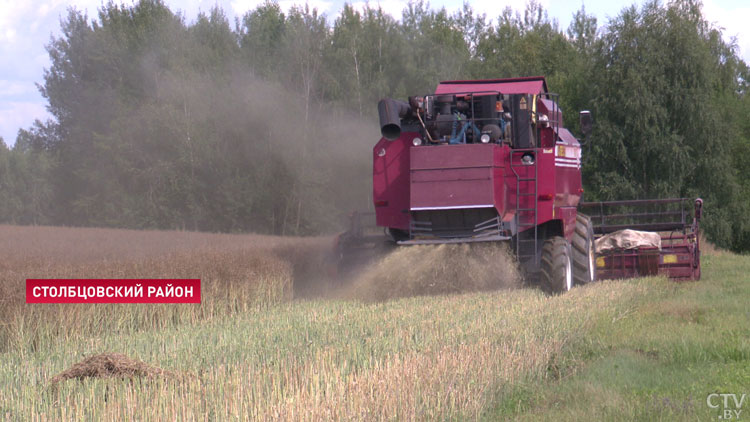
<point>10,12</point>
<point>491,8</point>
<point>732,17</point>
<point>240,7</point>
<point>25,28</point>
<point>15,115</point>
<point>494,8</point>
<point>15,88</point>
<point>391,7</point>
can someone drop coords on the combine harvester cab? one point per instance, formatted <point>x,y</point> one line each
<point>647,237</point>
<point>481,161</point>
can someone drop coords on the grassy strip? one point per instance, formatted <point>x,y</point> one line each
<point>658,360</point>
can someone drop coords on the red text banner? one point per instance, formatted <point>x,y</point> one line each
<point>113,290</point>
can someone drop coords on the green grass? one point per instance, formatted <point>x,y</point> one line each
<point>646,349</point>
<point>657,361</point>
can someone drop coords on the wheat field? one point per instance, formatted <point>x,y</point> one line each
<point>256,350</point>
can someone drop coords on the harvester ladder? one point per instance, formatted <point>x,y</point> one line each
<point>526,248</point>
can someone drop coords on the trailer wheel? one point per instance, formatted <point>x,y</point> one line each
<point>584,260</point>
<point>556,266</point>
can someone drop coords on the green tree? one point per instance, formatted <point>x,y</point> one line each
<point>268,126</point>
<point>661,125</point>
<point>261,34</point>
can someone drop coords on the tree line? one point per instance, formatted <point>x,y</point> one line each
<point>266,123</point>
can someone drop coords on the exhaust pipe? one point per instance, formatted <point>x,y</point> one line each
<point>391,112</point>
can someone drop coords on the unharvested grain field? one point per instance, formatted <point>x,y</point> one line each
<point>645,349</point>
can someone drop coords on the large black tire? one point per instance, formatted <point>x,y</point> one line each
<point>584,259</point>
<point>557,267</point>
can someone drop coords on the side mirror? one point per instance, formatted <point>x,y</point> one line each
<point>587,123</point>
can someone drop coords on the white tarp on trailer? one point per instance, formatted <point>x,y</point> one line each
<point>627,239</point>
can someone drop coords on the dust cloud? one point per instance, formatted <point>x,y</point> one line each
<point>435,270</point>
<point>305,163</point>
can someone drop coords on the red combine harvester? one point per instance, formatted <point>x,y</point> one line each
<point>490,161</point>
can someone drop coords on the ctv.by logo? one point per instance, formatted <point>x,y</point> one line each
<point>730,404</point>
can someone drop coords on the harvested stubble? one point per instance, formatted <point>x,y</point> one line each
<point>106,365</point>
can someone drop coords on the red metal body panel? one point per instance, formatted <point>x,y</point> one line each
<point>677,262</point>
<point>530,85</point>
<point>468,176</point>
<point>454,176</point>
<point>390,181</point>
<point>545,186</point>
<point>500,157</point>
<point>568,186</point>
<point>631,263</point>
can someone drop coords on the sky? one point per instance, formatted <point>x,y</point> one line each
<point>27,26</point>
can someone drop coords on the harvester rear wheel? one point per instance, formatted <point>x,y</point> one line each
<point>584,265</point>
<point>556,265</point>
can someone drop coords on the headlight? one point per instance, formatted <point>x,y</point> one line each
<point>416,142</point>
<point>485,138</point>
